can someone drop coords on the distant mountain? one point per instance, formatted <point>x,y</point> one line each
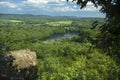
<point>30,16</point>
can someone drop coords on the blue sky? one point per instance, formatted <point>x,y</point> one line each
<point>48,7</point>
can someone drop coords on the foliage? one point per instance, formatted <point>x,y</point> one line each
<point>65,59</point>
<point>109,39</point>
<point>75,61</point>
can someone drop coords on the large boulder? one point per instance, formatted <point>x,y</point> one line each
<point>23,58</point>
<point>20,65</point>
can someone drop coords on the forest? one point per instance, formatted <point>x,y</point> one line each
<point>73,56</point>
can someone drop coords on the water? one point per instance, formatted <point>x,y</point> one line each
<point>62,36</point>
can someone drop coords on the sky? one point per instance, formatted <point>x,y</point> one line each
<point>48,7</point>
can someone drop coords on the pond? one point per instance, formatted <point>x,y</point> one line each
<point>62,36</point>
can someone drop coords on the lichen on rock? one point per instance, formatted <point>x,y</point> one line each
<point>20,64</point>
<point>23,58</point>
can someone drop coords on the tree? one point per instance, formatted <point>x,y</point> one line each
<point>109,40</point>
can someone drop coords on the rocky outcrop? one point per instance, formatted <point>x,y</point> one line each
<point>19,65</point>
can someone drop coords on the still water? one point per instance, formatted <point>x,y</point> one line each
<point>62,36</point>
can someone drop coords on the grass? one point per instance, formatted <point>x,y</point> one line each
<point>59,23</point>
<point>16,21</point>
<point>11,20</point>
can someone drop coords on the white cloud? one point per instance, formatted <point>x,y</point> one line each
<point>90,7</point>
<point>8,4</point>
<point>89,3</point>
<point>57,5</point>
<point>37,2</point>
<point>64,9</point>
<point>48,5</point>
<point>40,2</point>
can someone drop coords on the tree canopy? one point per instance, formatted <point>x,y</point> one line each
<point>109,40</point>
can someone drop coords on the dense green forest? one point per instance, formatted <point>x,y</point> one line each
<point>71,58</point>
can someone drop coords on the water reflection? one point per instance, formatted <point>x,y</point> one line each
<point>62,36</point>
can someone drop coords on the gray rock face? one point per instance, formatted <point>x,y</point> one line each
<point>19,65</point>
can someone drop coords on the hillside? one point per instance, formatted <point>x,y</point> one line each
<point>70,58</point>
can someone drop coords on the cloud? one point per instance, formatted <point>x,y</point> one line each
<point>49,7</point>
<point>38,3</point>
<point>8,4</point>
<point>64,9</point>
<point>90,7</point>
<point>41,4</point>
<point>58,5</point>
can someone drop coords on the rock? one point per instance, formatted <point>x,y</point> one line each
<point>23,58</point>
<point>21,64</point>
